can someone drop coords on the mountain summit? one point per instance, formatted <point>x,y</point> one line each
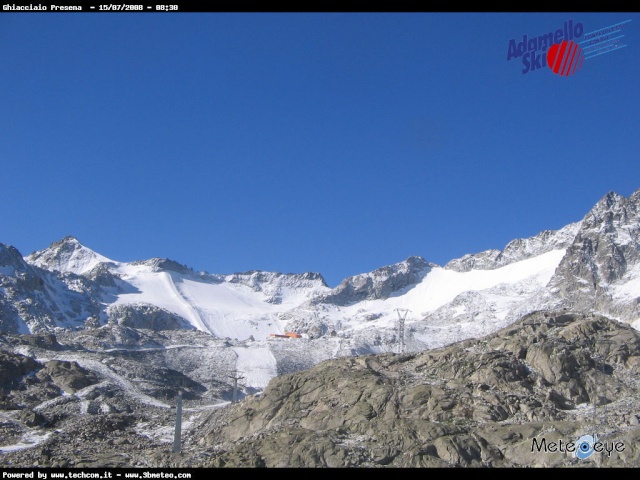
<point>589,266</point>
<point>473,359</point>
<point>67,255</point>
<point>601,269</point>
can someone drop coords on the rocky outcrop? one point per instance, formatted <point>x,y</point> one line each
<point>13,366</point>
<point>23,380</point>
<point>102,275</point>
<point>516,250</point>
<point>476,403</point>
<point>47,341</point>
<point>36,300</point>
<point>145,316</point>
<point>380,283</point>
<point>600,267</point>
<point>69,376</point>
<point>165,265</point>
<point>272,284</point>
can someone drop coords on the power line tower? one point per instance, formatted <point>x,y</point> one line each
<point>402,316</point>
<point>235,379</point>
<point>178,428</point>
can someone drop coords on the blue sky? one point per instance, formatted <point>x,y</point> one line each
<point>328,142</point>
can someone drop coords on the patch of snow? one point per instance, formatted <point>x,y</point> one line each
<point>125,384</point>
<point>29,439</point>
<point>459,310</point>
<point>628,288</point>
<point>256,364</point>
<point>223,309</point>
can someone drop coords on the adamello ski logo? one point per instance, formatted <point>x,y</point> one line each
<point>565,58</point>
<point>564,50</point>
<point>532,49</point>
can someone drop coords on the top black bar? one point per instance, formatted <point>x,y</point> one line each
<point>135,6</point>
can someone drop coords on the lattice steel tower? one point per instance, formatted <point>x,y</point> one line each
<point>402,316</point>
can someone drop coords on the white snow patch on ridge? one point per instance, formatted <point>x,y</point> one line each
<point>256,364</point>
<point>222,309</point>
<point>440,286</point>
<point>628,288</point>
<point>29,440</point>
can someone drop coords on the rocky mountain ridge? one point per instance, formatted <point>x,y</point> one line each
<point>517,250</point>
<point>592,265</point>
<point>599,261</point>
<point>536,341</point>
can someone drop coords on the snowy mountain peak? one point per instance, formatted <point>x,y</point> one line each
<point>9,256</point>
<point>613,210</point>
<point>70,239</point>
<point>67,255</point>
<point>517,250</point>
<point>609,200</point>
<point>380,283</point>
<point>590,265</point>
<point>600,269</point>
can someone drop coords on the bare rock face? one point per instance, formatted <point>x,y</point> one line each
<point>149,317</point>
<point>603,259</point>
<point>33,299</point>
<point>377,284</point>
<point>476,403</point>
<point>23,379</point>
<point>69,376</point>
<point>488,402</point>
<point>13,366</point>
<point>516,250</point>
<point>165,265</point>
<point>47,341</point>
<point>102,275</point>
<point>273,284</point>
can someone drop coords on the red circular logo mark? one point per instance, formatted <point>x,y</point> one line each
<point>565,58</point>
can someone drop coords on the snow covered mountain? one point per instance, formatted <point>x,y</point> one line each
<point>239,305</point>
<point>601,270</point>
<point>86,340</point>
<point>592,265</point>
<point>67,255</point>
<point>34,299</point>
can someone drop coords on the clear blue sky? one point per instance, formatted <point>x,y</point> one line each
<point>328,142</point>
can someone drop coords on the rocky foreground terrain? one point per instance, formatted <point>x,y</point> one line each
<point>486,402</point>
